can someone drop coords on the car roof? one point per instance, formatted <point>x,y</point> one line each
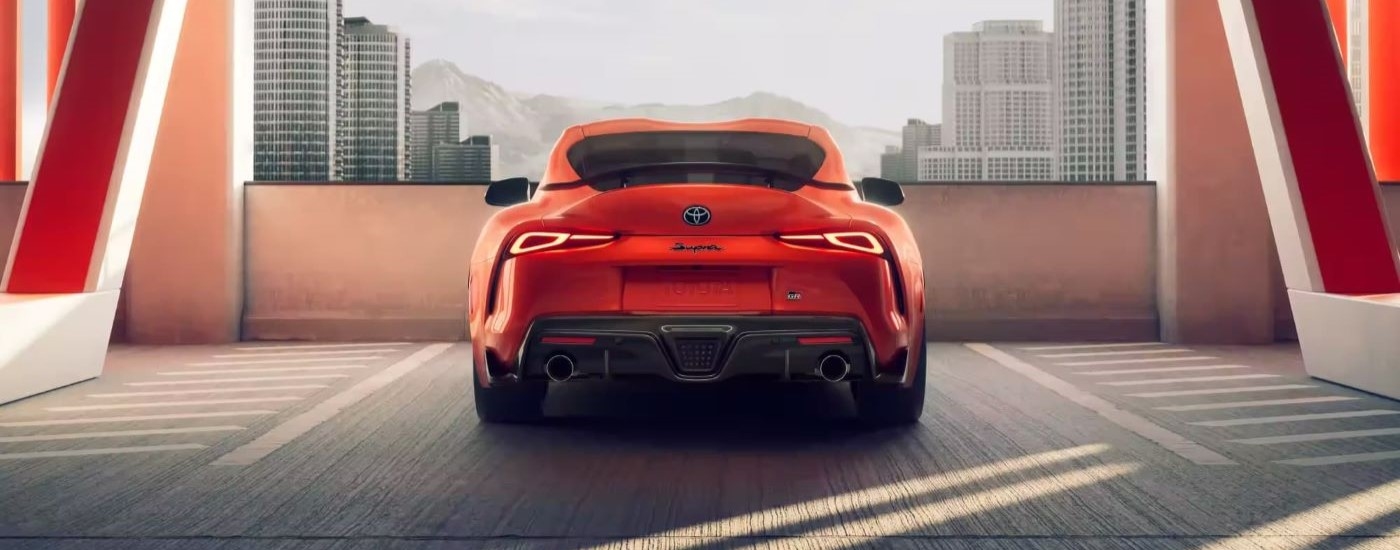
<point>832,170</point>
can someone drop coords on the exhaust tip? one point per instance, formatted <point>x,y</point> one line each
<point>559,367</point>
<point>833,367</point>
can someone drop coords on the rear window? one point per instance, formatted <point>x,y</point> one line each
<point>696,157</point>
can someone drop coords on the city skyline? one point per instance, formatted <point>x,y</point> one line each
<point>1023,103</point>
<point>351,8</point>
<point>998,114</point>
<point>332,94</point>
<point>884,51</point>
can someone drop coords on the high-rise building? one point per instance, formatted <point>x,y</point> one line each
<point>998,108</point>
<point>297,104</point>
<point>1102,62</point>
<point>377,102</point>
<point>892,163</point>
<point>440,124</point>
<point>474,159</point>
<point>1358,57</point>
<point>917,135</point>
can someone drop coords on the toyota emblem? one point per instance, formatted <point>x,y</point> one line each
<point>696,215</point>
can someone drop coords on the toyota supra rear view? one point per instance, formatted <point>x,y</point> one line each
<point>697,253</point>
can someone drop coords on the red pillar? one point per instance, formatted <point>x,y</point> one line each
<point>1384,51</point>
<point>1304,115</point>
<point>10,106</point>
<point>60,26</point>
<point>67,225</point>
<point>1337,10</point>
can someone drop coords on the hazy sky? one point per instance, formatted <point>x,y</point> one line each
<point>867,62</point>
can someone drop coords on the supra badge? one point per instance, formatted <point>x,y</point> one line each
<point>696,248</point>
<point>696,215</point>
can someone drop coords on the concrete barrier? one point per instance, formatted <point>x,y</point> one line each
<point>1003,261</point>
<point>1037,262</point>
<point>11,200</point>
<point>349,262</point>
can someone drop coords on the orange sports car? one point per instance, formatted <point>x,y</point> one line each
<point>695,253</point>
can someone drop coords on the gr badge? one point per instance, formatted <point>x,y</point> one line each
<point>794,296</point>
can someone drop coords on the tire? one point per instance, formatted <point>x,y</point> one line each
<point>516,403</point>
<point>880,405</point>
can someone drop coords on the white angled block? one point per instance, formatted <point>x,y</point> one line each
<point>48,341</point>
<point>1350,340</point>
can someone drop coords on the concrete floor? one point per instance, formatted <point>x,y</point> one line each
<point>1021,446</point>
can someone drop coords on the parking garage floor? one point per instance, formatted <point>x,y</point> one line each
<point>365,445</point>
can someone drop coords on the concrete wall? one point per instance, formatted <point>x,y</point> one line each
<point>358,261</point>
<point>1037,261</point>
<point>1003,262</point>
<point>1215,252</point>
<point>11,200</point>
<point>388,262</point>
<point>184,280</point>
<point>1390,196</point>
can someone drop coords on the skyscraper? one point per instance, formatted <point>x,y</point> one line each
<point>892,163</point>
<point>998,115</point>
<point>440,124</point>
<point>298,111</point>
<point>917,135</point>
<point>1358,57</point>
<point>1101,61</point>
<point>377,95</point>
<point>474,159</point>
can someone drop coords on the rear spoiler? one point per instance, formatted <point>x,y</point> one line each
<point>773,174</point>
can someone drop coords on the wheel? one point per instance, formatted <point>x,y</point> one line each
<point>516,403</point>
<point>893,404</point>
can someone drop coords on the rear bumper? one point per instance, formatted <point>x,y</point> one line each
<point>696,348</point>
<point>754,275</point>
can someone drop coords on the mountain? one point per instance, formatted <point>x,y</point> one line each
<point>527,125</point>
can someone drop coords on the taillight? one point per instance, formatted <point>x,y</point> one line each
<point>536,241</point>
<point>848,240</point>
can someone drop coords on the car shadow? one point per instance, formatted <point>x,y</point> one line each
<point>728,416</point>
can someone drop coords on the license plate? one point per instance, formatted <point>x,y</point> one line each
<point>695,289</point>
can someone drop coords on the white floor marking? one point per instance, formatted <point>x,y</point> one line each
<point>235,380</point>
<point>162,404</point>
<point>94,452</point>
<point>1294,418</point>
<point>207,391</point>
<point>1114,353</point>
<point>321,346</point>
<point>1136,361</point>
<point>1341,459</point>
<point>127,433</point>
<point>304,353</point>
<point>1158,369</point>
<point>1092,346</point>
<point>1219,391</point>
<point>112,419</point>
<point>1162,381</point>
<point>1247,404</point>
<point>1325,436</point>
<point>284,361</point>
<point>1190,450</point>
<point>324,411</point>
<point>247,371</point>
